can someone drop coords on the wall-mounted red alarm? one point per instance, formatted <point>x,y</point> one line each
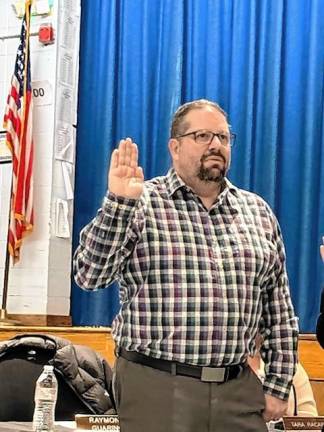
<point>46,34</point>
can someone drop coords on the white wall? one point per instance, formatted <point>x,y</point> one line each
<point>40,282</point>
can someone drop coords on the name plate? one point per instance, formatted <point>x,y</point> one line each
<point>108,423</point>
<point>303,423</point>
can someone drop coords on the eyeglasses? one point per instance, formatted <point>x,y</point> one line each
<point>205,137</point>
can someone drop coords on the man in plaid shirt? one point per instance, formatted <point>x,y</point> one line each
<point>201,269</point>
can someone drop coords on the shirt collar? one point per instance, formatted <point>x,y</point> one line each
<point>174,183</point>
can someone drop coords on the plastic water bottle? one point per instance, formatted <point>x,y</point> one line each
<point>45,401</point>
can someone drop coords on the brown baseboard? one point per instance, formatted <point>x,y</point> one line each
<point>97,338</point>
<point>42,320</point>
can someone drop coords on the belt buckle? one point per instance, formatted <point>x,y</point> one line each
<point>213,374</point>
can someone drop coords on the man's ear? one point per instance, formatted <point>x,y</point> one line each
<point>174,146</point>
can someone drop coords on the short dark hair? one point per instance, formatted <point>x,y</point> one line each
<point>178,126</point>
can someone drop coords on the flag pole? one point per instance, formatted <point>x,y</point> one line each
<point>21,146</point>
<point>4,320</point>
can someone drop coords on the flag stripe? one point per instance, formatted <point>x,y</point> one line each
<point>18,124</point>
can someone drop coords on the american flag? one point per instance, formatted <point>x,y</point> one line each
<point>18,124</point>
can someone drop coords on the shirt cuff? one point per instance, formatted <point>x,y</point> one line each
<point>277,387</point>
<point>118,206</point>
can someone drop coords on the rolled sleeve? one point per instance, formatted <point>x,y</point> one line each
<point>279,350</point>
<point>104,243</point>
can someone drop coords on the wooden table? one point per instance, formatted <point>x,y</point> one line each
<point>27,426</point>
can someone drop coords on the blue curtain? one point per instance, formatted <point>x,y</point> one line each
<point>262,60</point>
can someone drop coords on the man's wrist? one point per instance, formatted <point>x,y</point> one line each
<point>118,206</point>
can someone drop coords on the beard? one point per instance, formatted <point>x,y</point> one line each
<point>208,174</point>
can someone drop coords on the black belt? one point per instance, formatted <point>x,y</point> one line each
<point>204,373</point>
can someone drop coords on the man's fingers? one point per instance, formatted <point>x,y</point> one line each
<point>114,159</point>
<point>127,153</point>
<point>322,252</point>
<point>122,151</point>
<point>134,156</point>
<point>139,173</point>
<point>266,417</point>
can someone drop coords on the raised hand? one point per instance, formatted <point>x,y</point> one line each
<point>125,177</point>
<point>322,249</point>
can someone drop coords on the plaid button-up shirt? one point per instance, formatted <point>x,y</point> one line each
<point>195,284</point>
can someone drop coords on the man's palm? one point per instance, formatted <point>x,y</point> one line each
<point>125,177</point>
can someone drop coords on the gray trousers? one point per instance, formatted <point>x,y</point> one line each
<point>150,400</point>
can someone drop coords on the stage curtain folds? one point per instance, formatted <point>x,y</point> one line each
<point>261,60</point>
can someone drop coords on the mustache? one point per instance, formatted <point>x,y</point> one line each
<point>212,153</point>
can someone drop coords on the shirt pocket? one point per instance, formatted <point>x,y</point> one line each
<point>252,251</point>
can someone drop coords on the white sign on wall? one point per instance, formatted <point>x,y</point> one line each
<point>42,93</point>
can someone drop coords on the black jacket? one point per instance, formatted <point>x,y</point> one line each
<point>83,369</point>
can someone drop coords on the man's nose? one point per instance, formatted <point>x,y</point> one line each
<point>215,142</point>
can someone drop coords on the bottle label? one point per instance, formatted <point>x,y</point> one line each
<point>43,419</point>
<point>45,393</point>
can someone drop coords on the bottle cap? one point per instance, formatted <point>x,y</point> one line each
<point>48,368</point>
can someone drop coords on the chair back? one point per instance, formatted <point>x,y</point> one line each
<point>20,368</point>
